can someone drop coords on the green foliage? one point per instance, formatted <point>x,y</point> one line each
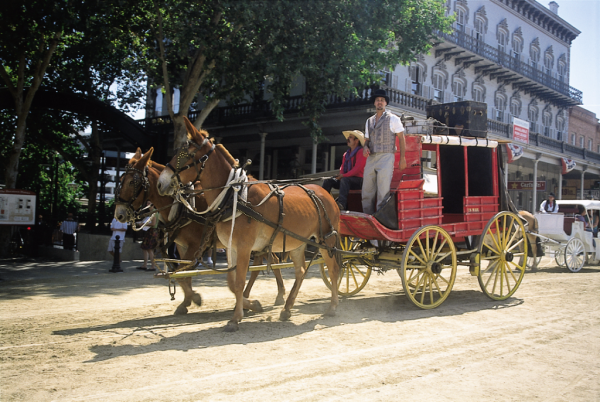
<point>42,168</point>
<point>241,50</point>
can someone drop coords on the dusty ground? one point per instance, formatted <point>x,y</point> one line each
<point>75,332</point>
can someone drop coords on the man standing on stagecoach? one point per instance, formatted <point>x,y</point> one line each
<point>381,131</point>
<point>351,171</point>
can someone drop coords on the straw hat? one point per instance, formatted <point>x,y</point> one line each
<point>357,134</point>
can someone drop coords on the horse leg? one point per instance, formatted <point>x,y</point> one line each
<point>236,281</point>
<point>334,269</point>
<point>258,260</point>
<point>188,296</point>
<point>279,300</point>
<point>298,258</point>
<point>533,252</point>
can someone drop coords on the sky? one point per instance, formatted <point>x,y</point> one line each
<point>585,50</point>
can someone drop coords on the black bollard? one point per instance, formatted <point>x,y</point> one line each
<point>116,267</point>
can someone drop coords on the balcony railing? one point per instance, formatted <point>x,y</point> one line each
<point>491,53</point>
<point>541,141</point>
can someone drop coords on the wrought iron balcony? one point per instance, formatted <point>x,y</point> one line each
<point>505,60</point>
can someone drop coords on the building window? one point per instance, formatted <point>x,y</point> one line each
<point>548,62</point>
<point>517,43</point>
<point>500,107</point>
<point>478,94</point>
<point>460,19</point>
<point>479,29</point>
<point>573,137</point>
<point>395,82</point>
<point>533,115</point>
<point>590,144</point>
<point>458,87</point>
<point>534,53</point>
<point>562,70</point>
<point>501,41</point>
<point>581,141</point>
<point>547,122</point>
<point>438,87</point>
<point>560,126</point>
<point>515,107</point>
<point>416,75</point>
<point>502,35</point>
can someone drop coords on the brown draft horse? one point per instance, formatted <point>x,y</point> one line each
<point>189,238</point>
<point>300,216</point>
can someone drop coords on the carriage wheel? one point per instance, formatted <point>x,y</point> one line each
<point>559,257</point>
<point>354,272</point>
<point>500,273</point>
<point>428,267</point>
<point>575,254</point>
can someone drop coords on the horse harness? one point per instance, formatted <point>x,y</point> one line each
<point>181,219</point>
<point>183,155</point>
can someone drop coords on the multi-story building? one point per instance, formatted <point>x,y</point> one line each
<point>513,55</point>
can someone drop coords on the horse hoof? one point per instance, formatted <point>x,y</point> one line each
<point>181,310</point>
<point>256,306</point>
<point>330,313</point>
<point>279,301</point>
<point>231,326</point>
<point>284,315</point>
<point>197,299</point>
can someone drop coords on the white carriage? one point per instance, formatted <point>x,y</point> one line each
<point>569,233</point>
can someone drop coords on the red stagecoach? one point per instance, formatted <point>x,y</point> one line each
<point>448,208</point>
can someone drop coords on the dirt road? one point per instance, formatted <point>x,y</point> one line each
<point>74,332</point>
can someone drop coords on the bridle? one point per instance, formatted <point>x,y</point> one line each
<point>140,183</point>
<point>183,155</point>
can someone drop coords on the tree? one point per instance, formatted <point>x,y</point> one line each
<point>229,49</point>
<point>63,45</point>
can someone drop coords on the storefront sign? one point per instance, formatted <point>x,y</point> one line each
<point>17,207</point>
<point>521,130</point>
<point>526,185</point>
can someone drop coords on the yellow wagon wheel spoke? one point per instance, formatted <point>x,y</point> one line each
<point>354,273</point>
<point>503,256</point>
<point>428,268</point>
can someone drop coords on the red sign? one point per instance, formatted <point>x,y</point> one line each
<point>521,130</point>
<point>526,185</point>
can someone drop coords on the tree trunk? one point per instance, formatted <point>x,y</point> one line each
<point>10,177</point>
<point>12,165</point>
<point>179,131</point>
<point>205,112</point>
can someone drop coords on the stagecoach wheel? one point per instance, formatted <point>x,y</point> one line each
<point>502,256</point>
<point>575,254</point>
<point>428,268</point>
<point>559,257</point>
<point>354,272</point>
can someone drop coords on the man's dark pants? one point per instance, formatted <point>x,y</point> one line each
<point>68,241</point>
<point>344,185</point>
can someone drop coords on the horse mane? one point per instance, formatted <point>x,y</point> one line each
<point>232,161</point>
<point>156,165</point>
<point>219,147</point>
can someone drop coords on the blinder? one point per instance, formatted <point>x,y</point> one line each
<point>183,155</point>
